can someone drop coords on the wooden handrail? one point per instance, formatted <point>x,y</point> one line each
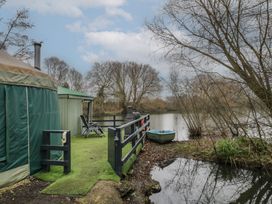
<point>115,143</point>
<point>133,122</point>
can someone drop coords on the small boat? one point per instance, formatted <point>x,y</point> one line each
<point>161,136</point>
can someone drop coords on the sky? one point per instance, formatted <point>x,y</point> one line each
<point>82,32</point>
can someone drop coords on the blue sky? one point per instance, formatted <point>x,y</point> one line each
<point>84,31</point>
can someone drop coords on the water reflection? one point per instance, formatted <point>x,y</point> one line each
<point>170,121</point>
<point>190,181</point>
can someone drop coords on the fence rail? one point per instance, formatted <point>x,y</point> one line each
<point>46,148</point>
<point>110,122</point>
<point>117,141</point>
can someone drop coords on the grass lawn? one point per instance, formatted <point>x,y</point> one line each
<point>89,164</point>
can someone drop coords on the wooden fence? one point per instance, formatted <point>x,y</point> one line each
<point>114,122</point>
<point>133,132</point>
<point>47,147</point>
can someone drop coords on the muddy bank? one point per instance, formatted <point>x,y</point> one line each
<point>138,186</point>
<point>28,192</point>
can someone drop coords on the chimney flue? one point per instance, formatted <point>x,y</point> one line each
<point>37,55</point>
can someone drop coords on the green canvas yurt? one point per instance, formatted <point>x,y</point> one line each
<point>28,105</point>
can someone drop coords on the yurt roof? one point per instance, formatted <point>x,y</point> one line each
<point>16,72</point>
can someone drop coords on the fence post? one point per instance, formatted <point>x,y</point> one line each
<point>148,119</point>
<point>114,121</point>
<point>137,127</point>
<point>132,130</point>
<point>67,153</point>
<point>115,150</point>
<point>148,124</point>
<point>118,152</point>
<point>46,153</point>
<point>145,120</point>
<point>142,132</point>
<point>111,146</point>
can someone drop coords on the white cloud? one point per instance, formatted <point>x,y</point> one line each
<point>125,46</point>
<point>71,8</point>
<point>99,23</point>
<point>75,27</point>
<point>118,12</point>
<point>90,57</point>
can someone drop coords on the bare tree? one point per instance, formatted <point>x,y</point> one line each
<point>122,86</point>
<point>57,69</point>
<point>144,81</point>
<point>75,79</point>
<point>14,38</point>
<point>128,82</point>
<point>98,80</point>
<point>134,81</point>
<point>233,34</point>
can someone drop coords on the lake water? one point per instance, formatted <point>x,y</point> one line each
<point>167,121</point>
<point>170,121</point>
<point>195,182</point>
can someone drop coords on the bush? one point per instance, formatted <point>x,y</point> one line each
<point>227,149</point>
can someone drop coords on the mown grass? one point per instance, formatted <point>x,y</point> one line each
<point>89,164</point>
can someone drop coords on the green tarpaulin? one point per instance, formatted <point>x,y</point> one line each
<point>24,113</point>
<point>2,125</point>
<point>43,115</point>
<point>26,109</point>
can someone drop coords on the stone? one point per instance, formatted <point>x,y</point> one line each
<point>126,189</point>
<point>154,187</point>
<point>104,192</point>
